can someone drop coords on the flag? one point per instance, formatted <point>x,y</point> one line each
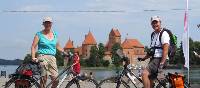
<point>186,37</point>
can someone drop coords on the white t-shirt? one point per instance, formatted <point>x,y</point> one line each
<point>156,42</point>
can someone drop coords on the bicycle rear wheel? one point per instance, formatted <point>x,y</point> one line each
<point>113,82</point>
<point>85,83</point>
<point>25,83</point>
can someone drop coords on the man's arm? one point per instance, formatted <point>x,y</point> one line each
<point>165,39</point>
<point>164,53</point>
<point>146,57</point>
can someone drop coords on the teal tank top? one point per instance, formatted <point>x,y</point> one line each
<point>46,46</point>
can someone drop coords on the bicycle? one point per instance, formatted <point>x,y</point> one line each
<point>27,76</point>
<point>34,78</point>
<point>119,81</point>
<point>82,82</point>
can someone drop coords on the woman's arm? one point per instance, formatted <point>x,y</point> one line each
<point>33,47</point>
<point>59,48</point>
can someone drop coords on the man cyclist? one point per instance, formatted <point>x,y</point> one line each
<point>158,53</point>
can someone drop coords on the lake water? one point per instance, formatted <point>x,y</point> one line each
<point>102,74</point>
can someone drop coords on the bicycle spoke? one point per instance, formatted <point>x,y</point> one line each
<point>86,83</point>
<point>112,83</point>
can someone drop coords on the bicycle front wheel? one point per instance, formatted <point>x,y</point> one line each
<point>113,82</point>
<point>86,83</point>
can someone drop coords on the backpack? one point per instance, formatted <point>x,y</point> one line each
<point>173,42</point>
<point>28,69</point>
<point>176,80</point>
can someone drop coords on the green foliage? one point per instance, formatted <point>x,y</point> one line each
<point>116,60</point>
<point>96,57</point>
<point>101,51</point>
<point>194,46</point>
<point>59,58</point>
<point>179,56</point>
<point>93,59</point>
<point>27,58</point>
<point>83,62</point>
<point>106,63</point>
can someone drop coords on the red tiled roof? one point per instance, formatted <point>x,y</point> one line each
<point>69,44</point>
<point>115,32</point>
<point>89,39</point>
<point>130,43</point>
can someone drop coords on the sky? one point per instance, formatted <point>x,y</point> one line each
<point>132,20</point>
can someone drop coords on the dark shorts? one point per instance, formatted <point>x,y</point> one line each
<point>153,67</point>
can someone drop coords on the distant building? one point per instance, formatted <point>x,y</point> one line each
<point>69,45</point>
<point>133,49</point>
<point>87,44</point>
<point>114,37</point>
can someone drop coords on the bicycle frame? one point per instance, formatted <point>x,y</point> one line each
<point>135,77</point>
<point>129,74</point>
<point>67,70</point>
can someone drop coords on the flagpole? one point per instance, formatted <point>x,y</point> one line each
<point>188,56</point>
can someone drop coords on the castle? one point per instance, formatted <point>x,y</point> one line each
<point>132,48</point>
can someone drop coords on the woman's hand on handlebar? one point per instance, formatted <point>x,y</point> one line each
<point>34,60</point>
<point>67,54</point>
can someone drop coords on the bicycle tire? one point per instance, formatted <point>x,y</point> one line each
<point>83,84</point>
<point>113,82</point>
<point>11,83</point>
<point>70,84</point>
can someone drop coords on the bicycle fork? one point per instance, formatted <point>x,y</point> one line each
<point>63,79</point>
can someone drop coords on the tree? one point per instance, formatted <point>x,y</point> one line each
<point>179,56</point>
<point>101,51</point>
<point>96,57</point>
<point>194,46</point>
<point>27,58</point>
<point>59,58</point>
<point>116,60</point>
<point>106,63</point>
<point>93,60</point>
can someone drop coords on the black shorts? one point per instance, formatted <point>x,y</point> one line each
<point>153,67</point>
